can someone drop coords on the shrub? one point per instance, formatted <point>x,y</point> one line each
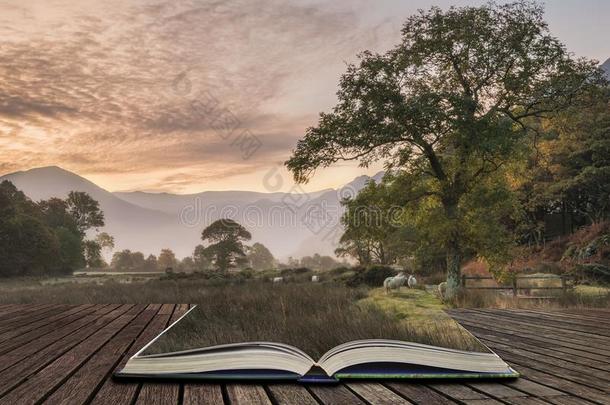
<point>198,275</point>
<point>246,274</point>
<point>434,278</point>
<point>337,271</point>
<point>372,276</point>
<point>547,267</point>
<point>466,298</point>
<point>295,271</point>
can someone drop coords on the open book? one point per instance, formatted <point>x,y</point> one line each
<point>181,352</point>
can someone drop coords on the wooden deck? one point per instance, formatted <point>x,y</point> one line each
<point>66,354</point>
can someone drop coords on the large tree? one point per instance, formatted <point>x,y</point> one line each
<point>56,214</point>
<point>570,174</point>
<point>167,260</point>
<point>150,264</point>
<point>372,234</point>
<point>201,258</point>
<point>126,260</point>
<point>449,104</point>
<point>46,237</point>
<point>225,239</point>
<point>84,210</point>
<point>318,262</point>
<point>93,254</point>
<point>260,257</point>
<point>27,247</point>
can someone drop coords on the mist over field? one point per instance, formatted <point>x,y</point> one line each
<point>287,223</point>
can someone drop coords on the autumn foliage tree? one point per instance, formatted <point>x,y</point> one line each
<point>167,260</point>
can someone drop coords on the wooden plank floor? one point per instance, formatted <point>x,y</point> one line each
<point>62,354</point>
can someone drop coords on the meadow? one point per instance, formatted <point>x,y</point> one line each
<point>312,317</point>
<point>190,288</point>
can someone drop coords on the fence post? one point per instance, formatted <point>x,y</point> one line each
<point>563,284</point>
<point>515,286</point>
<point>464,281</point>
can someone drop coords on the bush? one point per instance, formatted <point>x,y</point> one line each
<point>434,278</point>
<point>547,268</point>
<point>246,274</point>
<point>480,299</point>
<point>593,272</point>
<point>298,274</point>
<point>174,276</point>
<point>337,271</point>
<point>197,275</point>
<point>372,276</point>
<point>295,271</point>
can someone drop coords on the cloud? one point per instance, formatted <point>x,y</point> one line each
<point>110,87</point>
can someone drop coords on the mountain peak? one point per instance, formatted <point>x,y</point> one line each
<point>606,68</point>
<point>51,181</point>
<point>50,169</point>
<point>359,182</point>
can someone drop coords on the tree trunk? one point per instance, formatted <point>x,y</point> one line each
<point>454,261</point>
<point>454,252</point>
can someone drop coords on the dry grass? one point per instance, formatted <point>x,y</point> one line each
<point>102,290</point>
<point>312,317</point>
<point>476,268</point>
<point>579,297</point>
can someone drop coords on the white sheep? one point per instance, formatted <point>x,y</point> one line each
<point>411,281</point>
<point>278,279</point>
<point>315,279</point>
<point>442,290</point>
<point>394,283</point>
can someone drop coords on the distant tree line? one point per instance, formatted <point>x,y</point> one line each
<point>223,249</point>
<point>48,237</point>
<point>316,262</point>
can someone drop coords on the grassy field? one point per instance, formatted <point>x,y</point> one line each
<point>422,311</point>
<point>406,304</point>
<point>312,317</point>
<point>101,289</point>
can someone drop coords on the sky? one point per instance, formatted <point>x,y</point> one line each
<point>187,96</point>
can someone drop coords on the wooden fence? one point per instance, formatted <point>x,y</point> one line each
<point>566,283</point>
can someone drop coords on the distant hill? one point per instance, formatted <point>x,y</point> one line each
<point>288,224</point>
<point>174,203</point>
<point>606,67</point>
<point>133,227</point>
